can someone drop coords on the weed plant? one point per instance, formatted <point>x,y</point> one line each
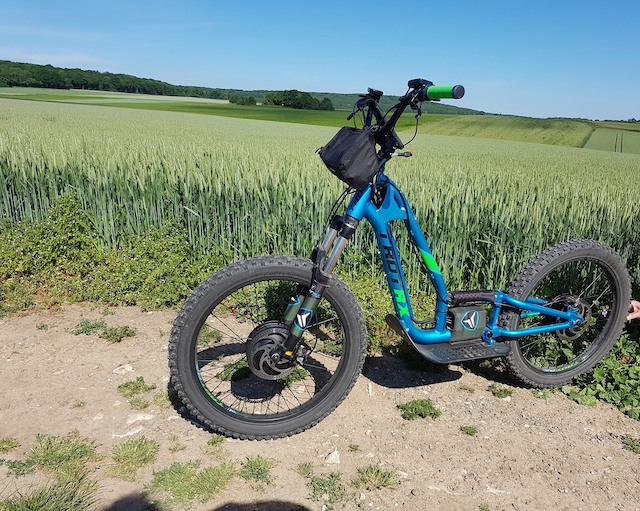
<point>419,408</point>
<point>469,430</point>
<point>186,483</point>
<point>375,477</point>
<point>8,444</point>
<point>500,392</point>
<point>631,443</point>
<point>257,469</point>
<point>133,454</point>
<point>134,387</point>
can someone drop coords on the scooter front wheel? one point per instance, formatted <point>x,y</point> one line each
<point>224,338</point>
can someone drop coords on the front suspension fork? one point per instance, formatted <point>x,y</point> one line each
<point>303,307</point>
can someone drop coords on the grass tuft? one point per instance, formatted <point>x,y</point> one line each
<point>66,457</point>
<point>88,327</point>
<point>7,444</point>
<point>469,430</point>
<point>73,495</point>
<point>500,392</point>
<point>133,388</point>
<point>131,455</point>
<point>631,444</point>
<point>419,408</point>
<point>185,483</point>
<point>330,490</point>
<point>257,469</point>
<point>375,477</point>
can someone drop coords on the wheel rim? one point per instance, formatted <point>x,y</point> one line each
<point>586,285</point>
<point>233,346</point>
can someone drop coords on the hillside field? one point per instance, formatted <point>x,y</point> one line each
<point>619,141</point>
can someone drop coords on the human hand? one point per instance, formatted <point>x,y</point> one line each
<point>634,310</point>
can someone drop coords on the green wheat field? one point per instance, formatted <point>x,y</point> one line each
<point>243,187</point>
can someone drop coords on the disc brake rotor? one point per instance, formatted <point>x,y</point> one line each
<point>584,310</point>
<point>262,345</point>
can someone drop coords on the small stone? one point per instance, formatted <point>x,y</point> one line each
<point>137,417</point>
<point>333,457</point>
<point>134,431</point>
<point>123,369</point>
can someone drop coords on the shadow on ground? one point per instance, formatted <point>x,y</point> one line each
<point>141,503</point>
<point>406,369</point>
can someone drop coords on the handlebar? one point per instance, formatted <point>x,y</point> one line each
<point>419,90</point>
<point>436,92</point>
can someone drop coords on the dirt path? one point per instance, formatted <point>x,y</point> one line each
<point>528,454</point>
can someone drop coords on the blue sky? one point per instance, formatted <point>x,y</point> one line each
<point>538,58</point>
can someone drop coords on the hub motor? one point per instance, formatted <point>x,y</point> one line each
<point>263,351</point>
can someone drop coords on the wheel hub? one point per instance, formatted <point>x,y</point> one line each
<point>584,310</point>
<point>263,351</point>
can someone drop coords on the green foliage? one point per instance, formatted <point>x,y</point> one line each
<point>185,483</point>
<point>117,333</point>
<point>375,477</point>
<point>110,333</point>
<point>500,392</point>
<point>419,408</point>
<point>632,444</point>
<point>63,242</point>
<point>214,445</point>
<point>74,495</point>
<point>237,99</point>
<point>88,327</point>
<point>329,490</point>
<point>297,99</point>
<point>131,455</point>
<point>7,444</point>
<point>616,380</point>
<point>14,74</point>
<point>135,387</point>
<point>66,457</point>
<point>305,469</point>
<point>153,270</point>
<point>257,469</point>
<point>541,393</point>
<point>298,374</point>
<point>582,396</point>
<point>469,430</point>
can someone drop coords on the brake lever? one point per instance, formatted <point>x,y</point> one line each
<point>360,104</point>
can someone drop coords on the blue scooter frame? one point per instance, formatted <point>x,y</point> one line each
<point>394,206</point>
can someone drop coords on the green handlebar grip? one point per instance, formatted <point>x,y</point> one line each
<point>436,92</point>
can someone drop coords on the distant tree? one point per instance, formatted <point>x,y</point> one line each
<point>293,99</point>
<point>48,76</point>
<point>326,104</point>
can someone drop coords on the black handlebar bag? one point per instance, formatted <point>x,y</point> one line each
<point>351,156</point>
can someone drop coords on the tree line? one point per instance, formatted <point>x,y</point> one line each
<point>297,99</point>
<point>16,74</point>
